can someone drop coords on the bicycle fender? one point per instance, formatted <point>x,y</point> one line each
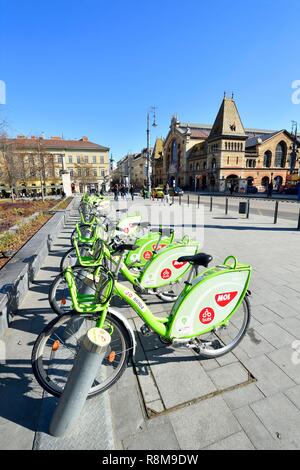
<point>127,325</point>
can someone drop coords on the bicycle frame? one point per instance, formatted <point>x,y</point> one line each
<point>192,314</point>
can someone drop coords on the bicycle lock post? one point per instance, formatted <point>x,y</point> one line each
<point>80,380</point>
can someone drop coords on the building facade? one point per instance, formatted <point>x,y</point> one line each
<point>199,157</point>
<point>131,169</point>
<point>28,164</point>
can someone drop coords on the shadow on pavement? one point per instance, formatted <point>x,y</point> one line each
<point>20,395</point>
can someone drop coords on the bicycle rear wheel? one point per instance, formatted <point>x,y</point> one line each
<point>57,346</point>
<point>224,339</point>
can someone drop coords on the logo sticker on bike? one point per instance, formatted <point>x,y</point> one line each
<point>177,264</point>
<point>166,273</point>
<point>147,254</point>
<point>225,298</point>
<point>159,246</point>
<point>206,315</point>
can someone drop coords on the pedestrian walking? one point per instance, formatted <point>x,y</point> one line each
<point>166,191</point>
<point>131,190</point>
<point>122,191</point>
<point>270,189</point>
<point>116,191</point>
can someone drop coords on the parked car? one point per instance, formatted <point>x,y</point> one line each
<point>158,192</point>
<point>176,191</point>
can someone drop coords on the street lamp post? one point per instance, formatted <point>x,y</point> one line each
<point>152,110</point>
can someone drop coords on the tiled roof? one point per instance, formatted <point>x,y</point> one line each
<point>59,144</point>
<point>207,128</point>
<point>195,132</point>
<point>253,141</point>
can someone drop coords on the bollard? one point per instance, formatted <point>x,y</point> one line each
<point>180,199</point>
<point>211,204</point>
<point>298,228</point>
<point>198,201</point>
<point>188,200</point>
<point>226,206</point>
<point>248,209</point>
<point>49,242</point>
<point>80,380</point>
<point>276,212</point>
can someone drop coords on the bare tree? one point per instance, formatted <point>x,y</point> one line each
<point>85,174</point>
<point>10,170</point>
<point>44,166</point>
<point>19,163</point>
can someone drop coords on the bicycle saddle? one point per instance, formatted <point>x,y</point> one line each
<point>200,259</point>
<point>125,247</point>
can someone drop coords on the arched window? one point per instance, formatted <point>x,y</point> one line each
<point>204,166</point>
<point>265,181</point>
<point>225,145</point>
<point>213,164</point>
<point>267,159</point>
<point>280,155</point>
<point>227,160</point>
<point>174,152</point>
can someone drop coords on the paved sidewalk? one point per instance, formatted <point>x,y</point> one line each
<point>171,399</point>
<point>25,412</point>
<point>248,399</point>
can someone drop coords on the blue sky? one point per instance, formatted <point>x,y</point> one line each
<point>95,67</point>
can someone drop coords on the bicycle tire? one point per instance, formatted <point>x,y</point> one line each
<point>41,374</point>
<point>225,350</point>
<point>54,303</point>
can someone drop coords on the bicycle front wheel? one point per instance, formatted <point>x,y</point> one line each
<point>57,346</point>
<point>224,339</point>
<point>59,294</point>
<point>70,258</point>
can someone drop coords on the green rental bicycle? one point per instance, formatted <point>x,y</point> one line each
<point>146,244</point>
<point>210,316</point>
<point>162,275</point>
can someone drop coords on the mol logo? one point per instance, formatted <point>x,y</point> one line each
<point>178,265</point>
<point>159,246</point>
<point>225,298</point>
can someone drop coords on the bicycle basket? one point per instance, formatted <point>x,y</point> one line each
<point>104,284</point>
<point>98,248</point>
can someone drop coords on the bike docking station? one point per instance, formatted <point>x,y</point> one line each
<point>80,380</point>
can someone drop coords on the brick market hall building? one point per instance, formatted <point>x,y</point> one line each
<point>199,157</point>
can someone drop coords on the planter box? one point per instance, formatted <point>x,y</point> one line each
<point>20,271</point>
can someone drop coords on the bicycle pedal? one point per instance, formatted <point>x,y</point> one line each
<point>145,330</point>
